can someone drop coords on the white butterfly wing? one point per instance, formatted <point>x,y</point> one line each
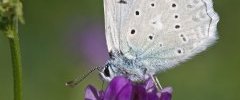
<point>197,30</point>
<point>162,33</point>
<point>116,13</point>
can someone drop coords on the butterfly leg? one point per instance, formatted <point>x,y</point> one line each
<point>156,82</point>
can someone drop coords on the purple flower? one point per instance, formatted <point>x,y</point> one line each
<point>121,88</point>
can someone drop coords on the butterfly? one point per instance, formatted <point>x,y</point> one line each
<point>146,37</point>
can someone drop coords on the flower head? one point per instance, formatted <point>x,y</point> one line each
<point>121,88</point>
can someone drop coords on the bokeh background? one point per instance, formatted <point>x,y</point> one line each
<point>64,38</point>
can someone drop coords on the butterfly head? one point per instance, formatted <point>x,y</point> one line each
<point>108,72</point>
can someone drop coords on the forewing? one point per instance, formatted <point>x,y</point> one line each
<point>116,13</point>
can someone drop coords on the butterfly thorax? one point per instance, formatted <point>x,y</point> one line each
<point>120,65</point>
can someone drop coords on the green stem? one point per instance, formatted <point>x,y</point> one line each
<point>16,59</point>
<point>10,14</point>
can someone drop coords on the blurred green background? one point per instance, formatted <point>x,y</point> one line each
<point>53,55</point>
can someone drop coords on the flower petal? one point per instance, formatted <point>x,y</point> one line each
<point>139,93</point>
<point>121,88</point>
<point>101,94</point>
<point>126,92</point>
<point>115,87</point>
<point>167,89</point>
<point>166,94</point>
<point>152,96</point>
<point>150,86</point>
<point>91,93</point>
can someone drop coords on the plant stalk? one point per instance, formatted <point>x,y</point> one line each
<point>16,59</point>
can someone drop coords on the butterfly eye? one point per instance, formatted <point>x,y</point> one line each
<point>106,71</point>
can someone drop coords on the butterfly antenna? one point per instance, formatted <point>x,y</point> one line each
<point>77,80</point>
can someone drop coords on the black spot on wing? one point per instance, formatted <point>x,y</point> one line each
<point>133,31</point>
<point>174,5</point>
<point>152,4</point>
<point>137,12</point>
<point>177,26</point>
<point>150,37</point>
<point>122,2</point>
<point>175,16</point>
